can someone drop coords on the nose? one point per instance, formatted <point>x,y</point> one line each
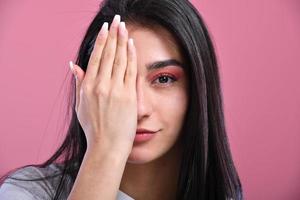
<point>144,105</point>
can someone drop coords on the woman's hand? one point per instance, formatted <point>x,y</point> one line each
<point>106,103</point>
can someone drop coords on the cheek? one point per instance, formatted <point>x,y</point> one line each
<point>172,106</point>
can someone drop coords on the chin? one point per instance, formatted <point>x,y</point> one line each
<point>145,153</point>
<point>140,154</point>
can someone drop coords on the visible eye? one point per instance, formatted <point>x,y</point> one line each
<point>165,79</point>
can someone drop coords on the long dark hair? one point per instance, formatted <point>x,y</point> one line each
<point>207,170</point>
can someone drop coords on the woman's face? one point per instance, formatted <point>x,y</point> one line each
<point>162,102</point>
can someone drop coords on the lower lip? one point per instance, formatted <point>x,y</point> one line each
<point>143,137</point>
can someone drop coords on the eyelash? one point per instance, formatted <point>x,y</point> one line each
<point>166,75</point>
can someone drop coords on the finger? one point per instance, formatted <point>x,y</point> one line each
<point>120,61</point>
<point>108,56</point>
<point>76,86</point>
<point>131,70</point>
<point>79,75</point>
<point>94,61</point>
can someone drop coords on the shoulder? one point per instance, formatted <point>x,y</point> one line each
<point>31,182</point>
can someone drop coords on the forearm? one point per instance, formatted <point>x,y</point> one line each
<point>99,176</point>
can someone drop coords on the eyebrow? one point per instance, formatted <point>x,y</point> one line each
<point>163,63</point>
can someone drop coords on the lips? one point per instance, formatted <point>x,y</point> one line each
<point>144,131</point>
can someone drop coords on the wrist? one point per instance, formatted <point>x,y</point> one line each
<point>119,151</point>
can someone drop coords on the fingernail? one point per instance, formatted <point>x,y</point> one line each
<point>122,27</point>
<point>116,20</point>
<point>131,41</point>
<point>104,28</point>
<point>71,66</point>
<point>72,69</point>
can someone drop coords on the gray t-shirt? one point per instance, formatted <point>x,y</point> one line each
<point>13,189</point>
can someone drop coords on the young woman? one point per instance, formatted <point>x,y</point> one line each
<point>147,108</point>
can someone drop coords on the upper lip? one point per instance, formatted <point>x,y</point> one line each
<point>142,130</point>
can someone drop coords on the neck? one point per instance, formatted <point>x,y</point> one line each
<point>153,180</point>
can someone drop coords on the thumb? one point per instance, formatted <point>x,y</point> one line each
<point>79,75</point>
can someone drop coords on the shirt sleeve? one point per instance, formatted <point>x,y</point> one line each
<point>13,192</point>
<point>123,196</point>
<point>19,185</point>
<point>22,184</point>
<point>10,191</point>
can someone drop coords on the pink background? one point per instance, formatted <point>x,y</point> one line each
<point>257,44</point>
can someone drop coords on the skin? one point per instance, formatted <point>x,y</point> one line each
<point>116,85</point>
<point>152,168</point>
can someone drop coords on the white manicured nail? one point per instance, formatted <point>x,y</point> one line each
<point>72,69</point>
